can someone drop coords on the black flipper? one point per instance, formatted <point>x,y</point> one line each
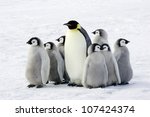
<point>87,38</point>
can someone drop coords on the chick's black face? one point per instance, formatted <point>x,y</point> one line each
<point>72,24</point>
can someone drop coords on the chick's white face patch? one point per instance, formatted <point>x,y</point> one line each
<point>122,43</point>
<point>61,40</point>
<point>34,42</point>
<point>97,48</point>
<point>97,33</point>
<point>48,46</point>
<point>105,48</point>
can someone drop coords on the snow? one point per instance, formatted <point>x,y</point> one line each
<point>20,20</point>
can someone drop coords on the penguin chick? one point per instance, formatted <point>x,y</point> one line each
<point>122,56</point>
<point>37,69</point>
<point>76,45</point>
<point>112,67</point>
<point>57,63</point>
<point>100,36</point>
<point>60,46</point>
<point>61,41</point>
<point>95,72</point>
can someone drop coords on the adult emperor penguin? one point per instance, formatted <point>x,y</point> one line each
<point>61,42</point>
<point>100,37</point>
<point>60,46</point>
<point>37,69</point>
<point>95,72</point>
<point>76,46</point>
<point>122,56</point>
<point>112,67</point>
<point>57,63</point>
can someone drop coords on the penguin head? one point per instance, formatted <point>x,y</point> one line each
<point>72,24</point>
<point>100,32</point>
<point>94,48</point>
<point>34,41</point>
<point>105,47</point>
<point>122,42</point>
<point>97,48</point>
<point>49,45</point>
<point>61,39</point>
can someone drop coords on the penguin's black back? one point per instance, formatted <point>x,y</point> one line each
<point>87,38</point>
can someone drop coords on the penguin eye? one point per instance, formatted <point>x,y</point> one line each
<point>33,41</point>
<point>61,39</point>
<point>123,41</point>
<point>97,48</point>
<point>97,32</point>
<point>105,48</point>
<point>48,46</point>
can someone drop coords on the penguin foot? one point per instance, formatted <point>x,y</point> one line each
<point>90,87</point>
<point>102,86</point>
<point>47,82</point>
<point>114,84</point>
<point>39,86</point>
<point>79,86</point>
<point>31,86</point>
<point>57,83</point>
<point>124,83</point>
<point>64,82</point>
<point>71,84</point>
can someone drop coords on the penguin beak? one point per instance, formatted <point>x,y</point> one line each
<point>127,42</point>
<point>93,32</point>
<point>57,40</point>
<point>101,48</point>
<point>28,42</point>
<point>67,24</point>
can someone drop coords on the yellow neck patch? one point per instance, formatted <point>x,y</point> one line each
<point>78,26</point>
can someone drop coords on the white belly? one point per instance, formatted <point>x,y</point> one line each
<point>75,55</point>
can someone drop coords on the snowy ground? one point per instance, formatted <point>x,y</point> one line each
<point>22,19</point>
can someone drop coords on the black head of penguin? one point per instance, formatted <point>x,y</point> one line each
<point>61,38</point>
<point>34,41</point>
<point>120,40</point>
<point>49,45</point>
<point>105,47</point>
<point>72,24</point>
<point>94,48</point>
<point>100,32</point>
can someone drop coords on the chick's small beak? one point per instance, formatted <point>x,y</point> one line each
<point>57,40</point>
<point>128,42</point>
<point>28,42</point>
<point>45,45</point>
<point>93,32</point>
